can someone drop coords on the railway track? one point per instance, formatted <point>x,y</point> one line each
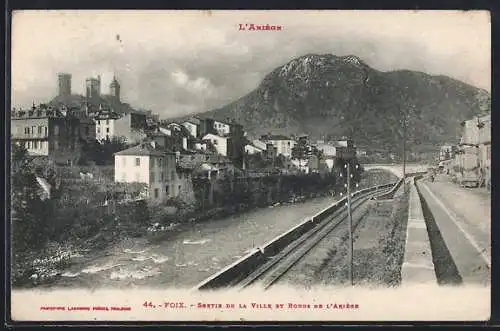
<point>278,265</point>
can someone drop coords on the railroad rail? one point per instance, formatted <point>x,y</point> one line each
<point>271,272</point>
<point>271,261</point>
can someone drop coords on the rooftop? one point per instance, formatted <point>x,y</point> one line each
<point>144,149</point>
<point>193,120</point>
<point>108,101</point>
<point>278,137</point>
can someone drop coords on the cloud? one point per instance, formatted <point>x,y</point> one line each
<point>176,62</point>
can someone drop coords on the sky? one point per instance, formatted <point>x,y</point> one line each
<point>180,62</point>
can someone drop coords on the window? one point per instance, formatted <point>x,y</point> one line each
<point>40,128</point>
<point>215,142</point>
<point>137,161</point>
<point>46,131</point>
<point>166,190</point>
<point>27,130</point>
<point>152,177</point>
<point>107,130</point>
<point>179,188</point>
<point>35,144</point>
<point>56,129</point>
<point>162,176</point>
<point>99,122</point>
<point>28,144</point>
<point>33,129</point>
<point>159,163</point>
<point>98,130</point>
<point>56,145</point>
<point>157,193</point>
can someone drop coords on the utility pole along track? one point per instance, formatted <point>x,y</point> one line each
<point>278,265</point>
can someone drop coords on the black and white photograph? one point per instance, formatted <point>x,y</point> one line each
<point>237,165</point>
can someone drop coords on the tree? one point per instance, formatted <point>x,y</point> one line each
<point>300,151</point>
<point>102,153</point>
<point>29,213</point>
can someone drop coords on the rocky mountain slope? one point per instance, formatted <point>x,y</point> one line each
<point>327,95</point>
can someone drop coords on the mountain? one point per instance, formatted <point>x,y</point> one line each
<point>327,95</point>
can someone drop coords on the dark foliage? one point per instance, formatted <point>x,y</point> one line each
<point>101,153</point>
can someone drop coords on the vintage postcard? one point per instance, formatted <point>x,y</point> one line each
<point>250,166</point>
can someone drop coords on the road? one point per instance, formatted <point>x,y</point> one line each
<point>462,219</point>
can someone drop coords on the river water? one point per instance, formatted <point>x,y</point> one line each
<point>192,253</point>
<point>187,256</point>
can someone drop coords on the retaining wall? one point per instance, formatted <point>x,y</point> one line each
<point>251,261</point>
<point>418,266</point>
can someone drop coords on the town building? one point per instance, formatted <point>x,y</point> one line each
<point>447,152</point>
<point>477,133</point>
<point>111,124</point>
<point>206,165</point>
<point>113,118</point>
<point>193,126</point>
<point>49,131</point>
<point>152,165</point>
<point>283,144</point>
<point>223,145</point>
<point>484,141</point>
<point>251,149</point>
<point>259,144</point>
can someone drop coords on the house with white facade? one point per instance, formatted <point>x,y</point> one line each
<point>222,128</point>
<point>251,149</point>
<point>111,124</point>
<point>156,167</point>
<point>259,144</point>
<point>221,144</point>
<point>283,144</point>
<point>193,126</point>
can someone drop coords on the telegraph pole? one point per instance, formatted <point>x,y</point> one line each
<point>404,150</point>
<point>349,216</point>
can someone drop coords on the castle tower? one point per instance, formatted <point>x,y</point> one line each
<point>114,88</point>
<point>93,86</point>
<point>64,84</point>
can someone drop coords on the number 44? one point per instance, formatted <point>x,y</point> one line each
<point>147,304</point>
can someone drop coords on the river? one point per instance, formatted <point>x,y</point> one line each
<point>188,256</point>
<point>193,252</point>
